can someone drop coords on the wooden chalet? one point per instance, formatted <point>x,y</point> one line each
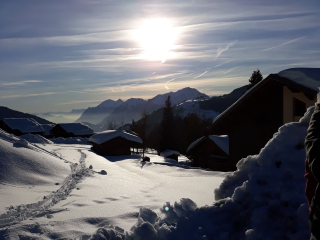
<point>47,128</point>
<point>170,154</point>
<point>67,130</point>
<point>21,126</point>
<point>252,120</point>
<point>114,143</point>
<point>210,152</point>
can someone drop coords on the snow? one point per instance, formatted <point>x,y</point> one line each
<point>192,106</point>
<point>71,140</point>
<point>222,141</point>
<point>25,125</point>
<point>263,199</point>
<point>105,136</point>
<point>168,153</point>
<point>35,138</point>
<point>308,77</point>
<point>47,128</point>
<point>194,143</point>
<point>27,173</point>
<point>76,128</point>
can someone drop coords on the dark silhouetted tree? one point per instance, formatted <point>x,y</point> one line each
<point>255,78</point>
<point>167,140</point>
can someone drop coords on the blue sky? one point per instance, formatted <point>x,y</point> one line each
<point>60,55</point>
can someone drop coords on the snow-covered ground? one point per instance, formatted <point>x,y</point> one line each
<point>96,200</point>
<point>123,198</point>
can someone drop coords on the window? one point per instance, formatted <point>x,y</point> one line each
<point>299,107</point>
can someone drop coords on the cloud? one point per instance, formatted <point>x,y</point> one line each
<point>291,41</point>
<point>228,71</point>
<point>29,95</point>
<point>221,50</point>
<point>200,75</point>
<point>166,85</point>
<point>20,82</point>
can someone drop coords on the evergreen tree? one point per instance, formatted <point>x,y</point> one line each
<point>167,127</point>
<point>255,78</point>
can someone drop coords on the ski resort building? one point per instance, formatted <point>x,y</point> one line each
<point>66,130</point>
<point>114,143</point>
<point>210,152</point>
<point>170,154</point>
<point>20,126</point>
<point>253,119</point>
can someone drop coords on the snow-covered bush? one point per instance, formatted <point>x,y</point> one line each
<point>263,199</point>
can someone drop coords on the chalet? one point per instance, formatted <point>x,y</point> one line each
<point>20,126</point>
<point>170,154</point>
<point>47,128</point>
<point>210,152</point>
<point>66,130</point>
<point>253,119</point>
<point>114,142</point>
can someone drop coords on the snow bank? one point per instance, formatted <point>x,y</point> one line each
<point>75,140</point>
<point>110,134</point>
<point>168,153</point>
<point>25,125</point>
<point>263,199</point>
<point>23,165</point>
<point>35,138</point>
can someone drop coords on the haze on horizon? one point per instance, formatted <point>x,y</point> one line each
<point>63,55</point>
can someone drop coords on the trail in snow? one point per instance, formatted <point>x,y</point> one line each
<point>41,208</point>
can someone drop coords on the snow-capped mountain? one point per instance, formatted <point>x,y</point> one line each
<point>133,107</point>
<point>96,114</point>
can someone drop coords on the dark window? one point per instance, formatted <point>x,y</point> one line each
<point>299,107</point>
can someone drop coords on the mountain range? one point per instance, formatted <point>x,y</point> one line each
<point>9,113</point>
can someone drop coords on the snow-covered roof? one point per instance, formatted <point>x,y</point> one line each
<point>105,136</point>
<point>194,143</point>
<point>168,153</point>
<point>76,128</point>
<point>25,125</point>
<point>222,141</point>
<point>47,128</point>
<point>308,77</point>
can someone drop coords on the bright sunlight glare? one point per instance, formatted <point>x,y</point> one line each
<point>157,39</point>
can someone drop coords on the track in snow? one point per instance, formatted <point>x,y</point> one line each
<point>41,208</point>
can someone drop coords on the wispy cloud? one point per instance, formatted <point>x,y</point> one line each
<point>83,101</point>
<point>200,75</point>
<point>20,82</point>
<point>166,85</point>
<point>221,50</point>
<point>228,71</point>
<point>29,95</point>
<point>283,44</point>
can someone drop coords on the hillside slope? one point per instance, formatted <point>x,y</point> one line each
<point>9,113</point>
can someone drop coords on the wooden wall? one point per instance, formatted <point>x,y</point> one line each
<point>115,147</point>
<point>206,155</point>
<point>252,123</point>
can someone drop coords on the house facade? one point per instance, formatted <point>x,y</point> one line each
<point>114,143</point>
<point>252,120</point>
<point>210,152</point>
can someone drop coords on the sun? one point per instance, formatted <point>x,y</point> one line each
<point>156,38</point>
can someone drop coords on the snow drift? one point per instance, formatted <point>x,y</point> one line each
<point>263,199</point>
<point>35,138</point>
<point>23,164</point>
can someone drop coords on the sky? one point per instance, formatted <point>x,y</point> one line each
<point>62,55</point>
